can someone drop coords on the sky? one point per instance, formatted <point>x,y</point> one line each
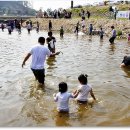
<point>54,4</point>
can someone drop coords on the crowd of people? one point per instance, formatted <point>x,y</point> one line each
<point>60,13</point>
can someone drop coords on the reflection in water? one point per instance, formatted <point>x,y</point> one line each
<point>51,62</point>
<point>90,38</point>
<point>62,119</point>
<point>112,47</point>
<point>127,71</point>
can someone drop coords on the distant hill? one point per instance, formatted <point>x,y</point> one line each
<point>16,8</point>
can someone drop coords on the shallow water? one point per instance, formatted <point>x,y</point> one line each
<point>23,103</point>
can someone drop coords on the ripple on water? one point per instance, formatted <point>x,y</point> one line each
<point>30,105</point>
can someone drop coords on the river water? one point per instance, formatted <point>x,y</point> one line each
<point>23,103</point>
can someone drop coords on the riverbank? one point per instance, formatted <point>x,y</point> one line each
<point>122,26</point>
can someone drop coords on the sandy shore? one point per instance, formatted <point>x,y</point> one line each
<point>69,24</point>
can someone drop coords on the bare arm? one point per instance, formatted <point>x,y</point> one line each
<point>55,97</point>
<point>53,54</point>
<point>75,93</point>
<point>92,94</point>
<point>122,65</point>
<point>25,59</point>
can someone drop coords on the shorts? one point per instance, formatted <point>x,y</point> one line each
<point>63,110</point>
<point>39,75</point>
<point>82,102</point>
<point>101,37</point>
<point>111,40</point>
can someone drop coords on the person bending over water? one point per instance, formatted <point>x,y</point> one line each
<point>39,53</point>
<point>83,90</point>
<point>126,61</point>
<point>62,98</point>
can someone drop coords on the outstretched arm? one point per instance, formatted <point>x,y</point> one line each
<point>55,97</point>
<point>122,65</point>
<point>75,93</point>
<point>53,54</point>
<point>25,59</point>
<point>92,94</point>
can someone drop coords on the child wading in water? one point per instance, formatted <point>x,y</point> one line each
<point>77,28</point>
<point>51,42</point>
<point>61,32</point>
<point>83,90</point>
<point>62,98</point>
<point>111,40</point>
<point>101,33</point>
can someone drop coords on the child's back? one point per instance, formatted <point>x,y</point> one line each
<point>83,92</point>
<point>62,100</point>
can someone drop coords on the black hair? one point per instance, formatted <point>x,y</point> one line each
<point>63,87</point>
<point>112,27</point>
<point>41,40</point>
<point>83,78</point>
<point>125,57</point>
<point>50,33</point>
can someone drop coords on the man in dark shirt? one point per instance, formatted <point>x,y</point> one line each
<point>126,61</point>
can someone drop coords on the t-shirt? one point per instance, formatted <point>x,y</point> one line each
<point>126,61</point>
<point>51,42</point>
<point>28,26</point>
<point>83,23</point>
<point>62,100</point>
<point>39,53</point>
<point>113,33</point>
<point>101,33</point>
<point>83,92</point>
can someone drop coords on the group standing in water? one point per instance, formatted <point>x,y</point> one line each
<point>39,53</point>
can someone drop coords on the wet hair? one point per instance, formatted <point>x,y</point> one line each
<point>83,78</point>
<point>112,27</point>
<point>63,87</point>
<point>50,33</point>
<point>125,57</point>
<point>41,40</point>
